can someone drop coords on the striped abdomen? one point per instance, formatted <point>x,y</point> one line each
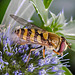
<point>38,37</point>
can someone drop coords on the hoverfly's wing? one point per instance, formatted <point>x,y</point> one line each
<point>25,22</point>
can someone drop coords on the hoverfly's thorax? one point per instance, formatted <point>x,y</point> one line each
<point>54,40</point>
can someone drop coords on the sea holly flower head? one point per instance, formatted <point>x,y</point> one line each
<point>14,57</point>
<point>18,55</point>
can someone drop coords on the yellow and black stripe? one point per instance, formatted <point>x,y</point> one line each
<point>36,36</point>
<point>32,35</point>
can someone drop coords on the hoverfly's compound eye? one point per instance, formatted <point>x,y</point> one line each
<point>63,45</point>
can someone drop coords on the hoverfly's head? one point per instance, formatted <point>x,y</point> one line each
<point>63,46</point>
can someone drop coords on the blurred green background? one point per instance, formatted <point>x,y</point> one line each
<point>58,5</point>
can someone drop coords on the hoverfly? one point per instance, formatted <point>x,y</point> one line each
<point>36,35</point>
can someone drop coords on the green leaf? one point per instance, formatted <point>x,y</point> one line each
<point>60,34</point>
<point>67,71</point>
<point>48,29</point>
<point>53,16</point>
<point>47,3</point>
<point>22,8</point>
<point>69,29</point>
<point>59,25</point>
<point>37,20</point>
<point>38,4</point>
<point>3,7</point>
<point>61,18</point>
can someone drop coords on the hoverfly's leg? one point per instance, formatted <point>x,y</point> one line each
<point>61,53</point>
<point>68,44</point>
<point>44,52</point>
<point>29,56</point>
<point>56,52</point>
<point>38,47</point>
<point>30,53</point>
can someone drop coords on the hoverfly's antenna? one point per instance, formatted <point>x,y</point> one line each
<point>68,44</point>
